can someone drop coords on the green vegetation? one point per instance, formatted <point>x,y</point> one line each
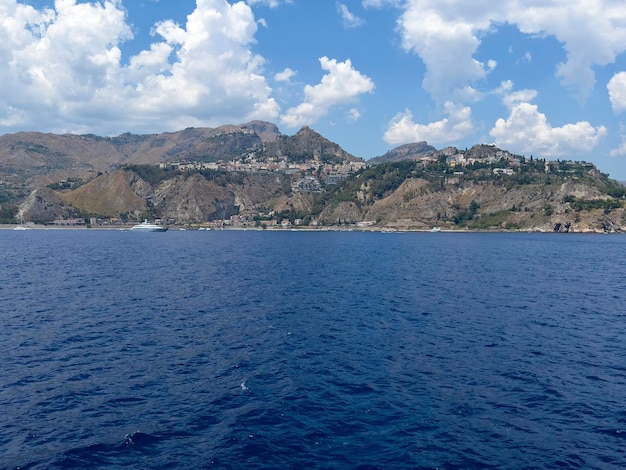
<point>588,205</point>
<point>379,181</point>
<point>463,216</point>
<point>8,213</point>
<point>491,221</point>
<point>547,209</point>
<point>387,179</point>
<point>616,191</point>
<point>151,173</point>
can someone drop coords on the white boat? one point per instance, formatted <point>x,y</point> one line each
<point>436,229</point>
<point>146,226</point>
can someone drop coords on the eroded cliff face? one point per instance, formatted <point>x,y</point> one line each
<point>44,205</point>
<point>342,213</point>
<point>194,199</point>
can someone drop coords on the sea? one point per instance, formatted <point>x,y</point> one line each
<point>312,350</point>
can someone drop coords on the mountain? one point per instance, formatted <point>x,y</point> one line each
<point>33,152</point>
<point>307,144</point>
<point>31,160</point>
<point>414,151</point>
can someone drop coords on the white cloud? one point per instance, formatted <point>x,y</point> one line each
<point>342,84</point>
<point>446,36</point>
<point>269,3</point>
<point>527,131</point>
<point>62,69</point>
<point>354,115</point>
<point>457,125</point>
<point>621,150</point>
<point>350,20</point>
<point>380,3</point>
<point>55,60</point>
<point>285,76</point>
<point>512,98</point>
<point>446,46</point>
<point>617,92</point>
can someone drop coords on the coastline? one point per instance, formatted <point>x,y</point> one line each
<point>304,229</point>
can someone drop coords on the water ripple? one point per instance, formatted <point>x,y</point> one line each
<point>311,350</point>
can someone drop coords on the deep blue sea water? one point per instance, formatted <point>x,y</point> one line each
<point>346,350</point>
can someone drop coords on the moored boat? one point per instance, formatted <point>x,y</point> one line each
<point>146,226</point>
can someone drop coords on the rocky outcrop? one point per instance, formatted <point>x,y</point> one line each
<point>414,151</point>
<point>43,206</point>
<point>341,213</point>
<point>307,144</point>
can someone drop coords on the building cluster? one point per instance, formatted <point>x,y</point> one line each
<point>270,165</point>
<point>457,160</point>
<point>314,172</point>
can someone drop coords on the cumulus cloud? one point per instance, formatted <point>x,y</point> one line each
<point>446,36</point>
<point>342,84</point>
<point>350,20</point>
<point>445,45</point>
<point>62,69</point>
<point>617,92</point>
<point>511,98</point>
<point>527,131</point>
<point>457,125</point>
<point>285,76</point>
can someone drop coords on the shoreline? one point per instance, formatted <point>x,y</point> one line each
<point>331,228</point>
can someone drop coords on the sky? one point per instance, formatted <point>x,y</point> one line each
<point>545,78</point>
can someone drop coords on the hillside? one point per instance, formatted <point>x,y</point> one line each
<point>412,195</point>
<point>30,160</point>
<point>251,175</point>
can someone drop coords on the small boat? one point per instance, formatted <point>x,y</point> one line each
<point>436,229</point>
<point>146,226</point>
